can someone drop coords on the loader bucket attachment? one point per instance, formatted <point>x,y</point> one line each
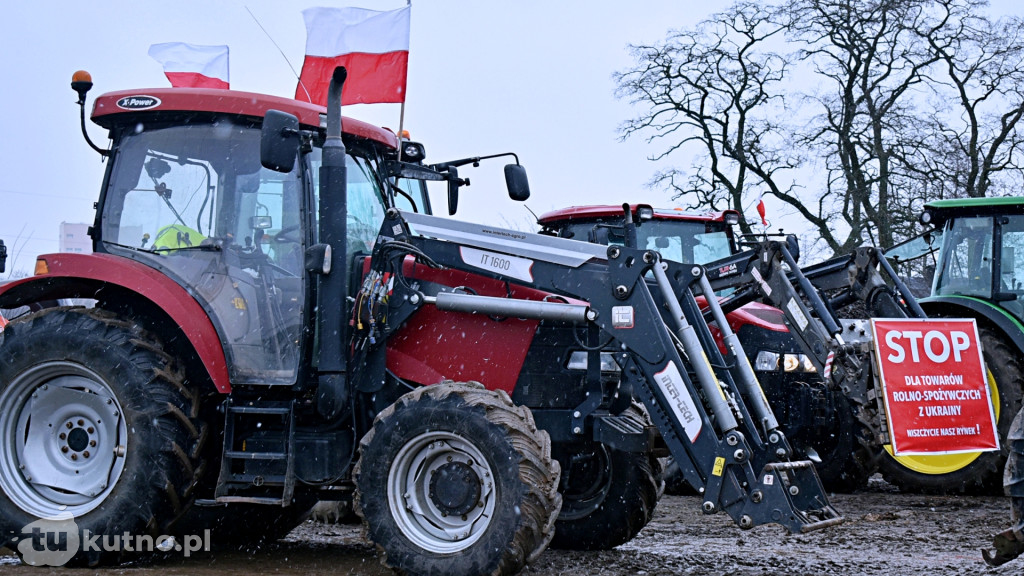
<point>793,497</point>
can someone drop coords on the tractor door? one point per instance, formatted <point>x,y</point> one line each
<point>192,201</point>
<point>1011,265</point>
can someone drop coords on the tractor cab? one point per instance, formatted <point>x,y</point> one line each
<point>186,195</point>
<point>981,250</point>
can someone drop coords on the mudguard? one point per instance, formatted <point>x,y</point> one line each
<point>68,275</point>
<point>981,309</point>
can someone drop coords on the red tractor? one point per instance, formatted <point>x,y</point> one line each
<point>276,319</point>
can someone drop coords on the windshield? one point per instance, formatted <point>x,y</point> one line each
<point>966,258</point>
<point>981,257</point>
<point>201,185</point>
<point>686,241</point>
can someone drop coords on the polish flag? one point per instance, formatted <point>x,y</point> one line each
<point>372,45</point>
<point>191,65</point>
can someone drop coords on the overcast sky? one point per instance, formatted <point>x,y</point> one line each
<point>528,76</point>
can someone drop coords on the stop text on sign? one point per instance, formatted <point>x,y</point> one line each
<point>935,385</point>
<point>936,345</point>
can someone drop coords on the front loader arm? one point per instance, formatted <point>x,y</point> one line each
<point>810,297</point>
<point>707,426</point>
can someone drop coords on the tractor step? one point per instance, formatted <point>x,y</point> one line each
<point>259,454</point>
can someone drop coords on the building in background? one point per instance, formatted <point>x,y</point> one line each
<point>75,238</point>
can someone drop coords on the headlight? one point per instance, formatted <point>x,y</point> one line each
<point>798,363</point>
<point>766,361</point>
<point>578,361</point>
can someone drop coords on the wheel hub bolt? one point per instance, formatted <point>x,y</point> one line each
<point>64,449</point>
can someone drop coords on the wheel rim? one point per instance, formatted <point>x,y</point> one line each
<point>431,487</point>
<point>935,464</point>
<point>64,440</point>
<point>588,480</point>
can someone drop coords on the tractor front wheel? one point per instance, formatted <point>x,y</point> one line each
<point>453,479</point>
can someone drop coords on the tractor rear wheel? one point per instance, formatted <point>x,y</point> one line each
<point>608,495</point>
<point>453,479</point>
<point>98,431</point>
<point>974,472</point>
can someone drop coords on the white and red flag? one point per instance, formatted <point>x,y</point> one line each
<point>372,45</point>
<point>761,210</point>
<point>192,65</point>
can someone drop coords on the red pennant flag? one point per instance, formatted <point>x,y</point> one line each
<point>372,45</point>
<point>193,66</point>
<point>760,210</point>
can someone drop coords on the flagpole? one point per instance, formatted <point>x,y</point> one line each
<point>401,114</point>
<point>401,124</point>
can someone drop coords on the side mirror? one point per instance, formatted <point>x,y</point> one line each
<point>516,182</point>
<point>318,259</point>
<point>453,190</point>
<point>3,257</point>
<point>279,141</point>
<point>261,222</point>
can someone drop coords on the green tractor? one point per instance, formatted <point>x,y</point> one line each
<point>973,256</point>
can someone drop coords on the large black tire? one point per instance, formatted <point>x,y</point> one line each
<point>130,438</point>
<point>608,495</point>
<point>455,480</point>
<point>984,474</point>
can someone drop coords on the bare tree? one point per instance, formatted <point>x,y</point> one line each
<point>873,64</point>
<point>714,91</point>
<point>912,100</point>
<point>981,69</point>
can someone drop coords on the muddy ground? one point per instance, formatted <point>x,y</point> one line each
<point>885,533</point>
